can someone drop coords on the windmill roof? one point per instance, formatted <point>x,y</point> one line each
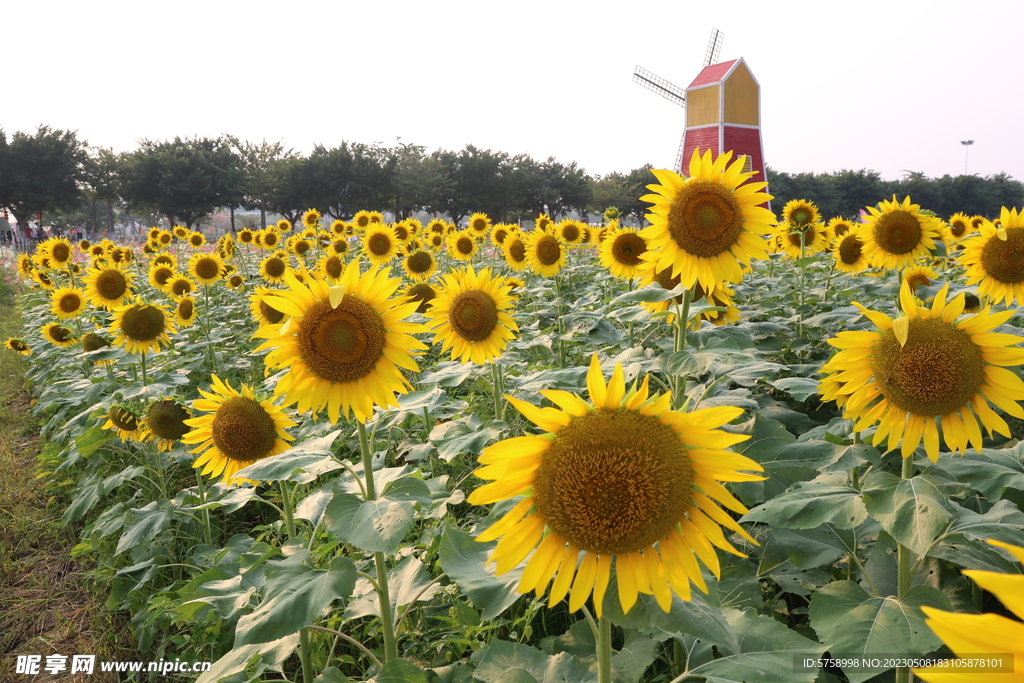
<point>712,74</point>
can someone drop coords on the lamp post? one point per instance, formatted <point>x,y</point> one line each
<point>967,146</point>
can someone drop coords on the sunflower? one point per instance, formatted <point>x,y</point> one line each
<point>437,226</point>
<point>471,317</point>
<point>570,231</point>
<point>246,236</point>
<point>339,247</point>
<point>330,267</point>
<point>344,345</point>
<point>121,255</point>
<point>185,311</point>
<point>479,224</point>
<point>925,367</point>
<point>848,252</point>
<point>128,425</point>
<point>514,251</point>
<point>838,226</point>
<point>361,221</point>
<point>196,239</point>
<point>517,286</point>
<point>238,431</point>
<point>896,233</point>
<point>436,241</point>
<point>108,286</point>
<point>959,227</point>
<point>543,223</point>
<point>164,259</point>
<point>141,327</point>
<point>721,295</point>
<point>311,219</point>
<point>419,266</point>
<point>94,342</point>
<point>262,312</point>
<point>995,258</point>
<point>153,234</point>
<point>42,278</point>
<point>206,268</point>
<point>461,245</point>
<point>83,245</point>
<point>18,346</point>
<point>270,239</point>
<point>815,237</point>
<point>180,286</point>
<point>402,231</point>
<point>180,232</point>
<point>25,265</point>
<point>498,234</point>
<point>544,254</point>
<point>273,269</point>
<point>621,253</point>
<point>422,293</point>
<point>299,246</point>
<point>58,249</point>
<point>800,213</point>
<point>165,420</point>
<point>67,302</point>
<point>226,246</point>
<point>376,217</point>
<point>968,634</point>
<point>57,335</point>
<point>339,227</point>
<point>703,227</point>
<point>380,244</point>
<point>919,276</point>
<point>620,478</point>
<point>235,281</point>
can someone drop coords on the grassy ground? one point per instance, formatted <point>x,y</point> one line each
<point>45,606</point>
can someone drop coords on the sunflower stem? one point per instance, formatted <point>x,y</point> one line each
<point>604,650</point>
<point>205,511</point>
<point>142,362</point>
<point>679,344</point>
<point>387,619</point>
<point>497,385</point>
<point>903,570</point>
<point>286,508</point>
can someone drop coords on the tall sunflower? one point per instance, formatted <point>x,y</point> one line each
<point>544,253</point>
<point>570,231</point>
<point>344,345</point>
<point>238,431</point>
<point>67,302</point>
<point>800,213</point>
<point>621,253</point>
<point>471,317</point>
<point>704,226</point>
<point>273,269</point>
<point>380,244</point>
<point>479,224</point>
<point>621,478</point>
<point>311,219</point>
<point>927,369</point>
<point>206,268</point>
<point>968,634</point>
<point>897,233</point>
<point>462,245</point>
<point>141,327</point>
<point>108,286</point>
<point>995,258</point>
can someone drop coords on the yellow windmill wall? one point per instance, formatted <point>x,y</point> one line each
<point>702,106</point>
<point>741,97</point>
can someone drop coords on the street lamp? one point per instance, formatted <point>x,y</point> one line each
<point>967,146</point>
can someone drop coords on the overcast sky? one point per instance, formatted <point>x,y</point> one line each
<point>889,86</point>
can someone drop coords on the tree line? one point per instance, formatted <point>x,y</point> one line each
<point>54,174</point>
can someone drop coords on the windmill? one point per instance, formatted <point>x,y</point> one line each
<point>724,111</point>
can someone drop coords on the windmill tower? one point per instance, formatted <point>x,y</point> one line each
<point>724,111</point>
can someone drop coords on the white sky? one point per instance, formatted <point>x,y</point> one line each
<point>886,85</point>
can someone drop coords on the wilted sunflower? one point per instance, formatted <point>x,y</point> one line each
<point>462,246</point>
<point>67,302</point>
<point>800,213</point>
<point>422,293</point>
<point>18,346</point>
<point>108,286</point>
<point>344,345</point>
<point>380,244</point>
<point>206,268</point>
<point>165,421</point>
<point>926,368</point>
<point>238,431</point>
<point>570,231</point>
<point>706,225</point>
<point>897,233</point>
<point>58,335</point>
<point>180,286</point>
<point>419,266</point>
<point>621,251</point>
<point>848,252</point>
<point>273,269</point>
<point>919,276</point>
<point>262,312</point>
<point>968,634</point>
<point>544,254</point>
<point>185,311</point>
<point>128,425</point>
<point>479,224</point>
<point>620,478</point>
<point>995,258</point>
<point>141,327</point>
<point>471,317</point>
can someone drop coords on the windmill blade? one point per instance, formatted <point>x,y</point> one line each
<point>669,91</point>
<point>714,47</point>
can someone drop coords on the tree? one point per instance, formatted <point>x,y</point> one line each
<point>101,181</point>
<point>185,180</point>
<point>40,172</point>
<point>476,182</point>
<point>260,162</point>
<point>569,188</point>
<point>418,179</point>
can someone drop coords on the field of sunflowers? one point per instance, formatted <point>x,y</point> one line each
<point>728,446</point>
